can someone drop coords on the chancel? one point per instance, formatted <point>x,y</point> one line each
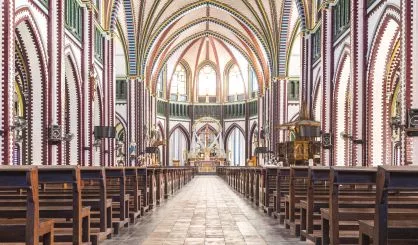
<point>209,122</point>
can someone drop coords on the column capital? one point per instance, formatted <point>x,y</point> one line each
<point>279,78</point>
<point>135,77</point>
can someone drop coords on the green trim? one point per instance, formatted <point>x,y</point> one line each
<point>341,18</point>
<point>74,18</point>
<point>316,44</point>
<point>98,44</point>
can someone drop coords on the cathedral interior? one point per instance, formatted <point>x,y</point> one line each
<point>209,122</point>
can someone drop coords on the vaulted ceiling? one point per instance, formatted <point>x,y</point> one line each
<point>167,31</point>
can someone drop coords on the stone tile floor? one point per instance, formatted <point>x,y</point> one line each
<point>206,211</point>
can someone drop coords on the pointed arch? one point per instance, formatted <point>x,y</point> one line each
<point>28,38</point>
<point>251,137</point>
<point>72,108</point>
<point>342,109</point>
<point>231,128</point>
<point>184,131</point>
<point>235,139</point>
<point>382,51</point>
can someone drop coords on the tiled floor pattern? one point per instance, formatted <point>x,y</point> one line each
<point>206,211</point>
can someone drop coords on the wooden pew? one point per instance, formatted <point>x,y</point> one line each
<point>159,180</point>
<point>116,189</point>
<point>167,182</point>
<point>256,185</point>
<point>132,188</point>
<point>269,189</point>
<point>144,189</point>
<point>79,232</point>
<point>332,216</point>
<point>30,229</point>
<point>96,178</point>
<point>152,188</point>
<point>398,229</point>
<point>242,181</point>
<point>247,185</point>
<point>282,188</point>
<point>297,192</point>
<point>311,207</point>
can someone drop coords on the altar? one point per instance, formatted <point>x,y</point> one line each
<point>206,166</point>
<point>207,149</point>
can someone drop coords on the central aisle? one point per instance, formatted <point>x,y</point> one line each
<point>206,211</point>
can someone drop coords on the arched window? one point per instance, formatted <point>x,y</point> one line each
<point>253,83</point>
<point>160,87</point>
<point>236,148</point>
<point>207,81</point>
<point>178,146</point>
<point>178,89</point>
<point>236,87</point>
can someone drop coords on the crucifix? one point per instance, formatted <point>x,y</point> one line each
<point>206,136</point>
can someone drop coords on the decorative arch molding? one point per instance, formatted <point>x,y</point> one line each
<point>391,12</point>
<point>231,129</point>
<point>184,131</point>
<point>124,43</point>
<point>293,38</point>
<point>28,36</point>
<point>69,53</point>
<point>384,48</point>
<point>248,53</point>
<point>253,46</point>
<point>286,12</point>
<point>316,97</point>
<point>250,142</point>
<point>227,70</point>
<point>190,7</point>
<point>114,14</point>
<point>257,70</point>
<point>160,127</point>
<point>317,83</point>
<point>302,10</point>
<point>131,34</point>
<point>341,86</point>
<point>75,82</point>
<point>189,76</point>
<point>122,120</point>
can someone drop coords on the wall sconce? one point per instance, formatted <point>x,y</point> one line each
<point>67,137</point>
<point>97,143</point>
<point>344,135</point>
<point>19,124</point>
<point>396,122</point>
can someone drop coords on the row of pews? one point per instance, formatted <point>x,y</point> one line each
<point>335,205</point>
<point>80,205</point>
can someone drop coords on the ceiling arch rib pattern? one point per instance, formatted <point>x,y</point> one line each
<point>246,15</point>
<point>199,25</point>
<point>159,33</point>
<point>184,46</point>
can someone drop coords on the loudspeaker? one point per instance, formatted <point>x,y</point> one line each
<point>326,141</point>
<point>413,118</point>
<point>98,132</point>
<point>101,132</point>
<point>55,133</point>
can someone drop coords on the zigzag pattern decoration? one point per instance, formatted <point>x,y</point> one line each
<point>130,24</point>
<point>284,31</point>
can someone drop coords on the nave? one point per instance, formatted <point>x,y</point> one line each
<point>206,211</point>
